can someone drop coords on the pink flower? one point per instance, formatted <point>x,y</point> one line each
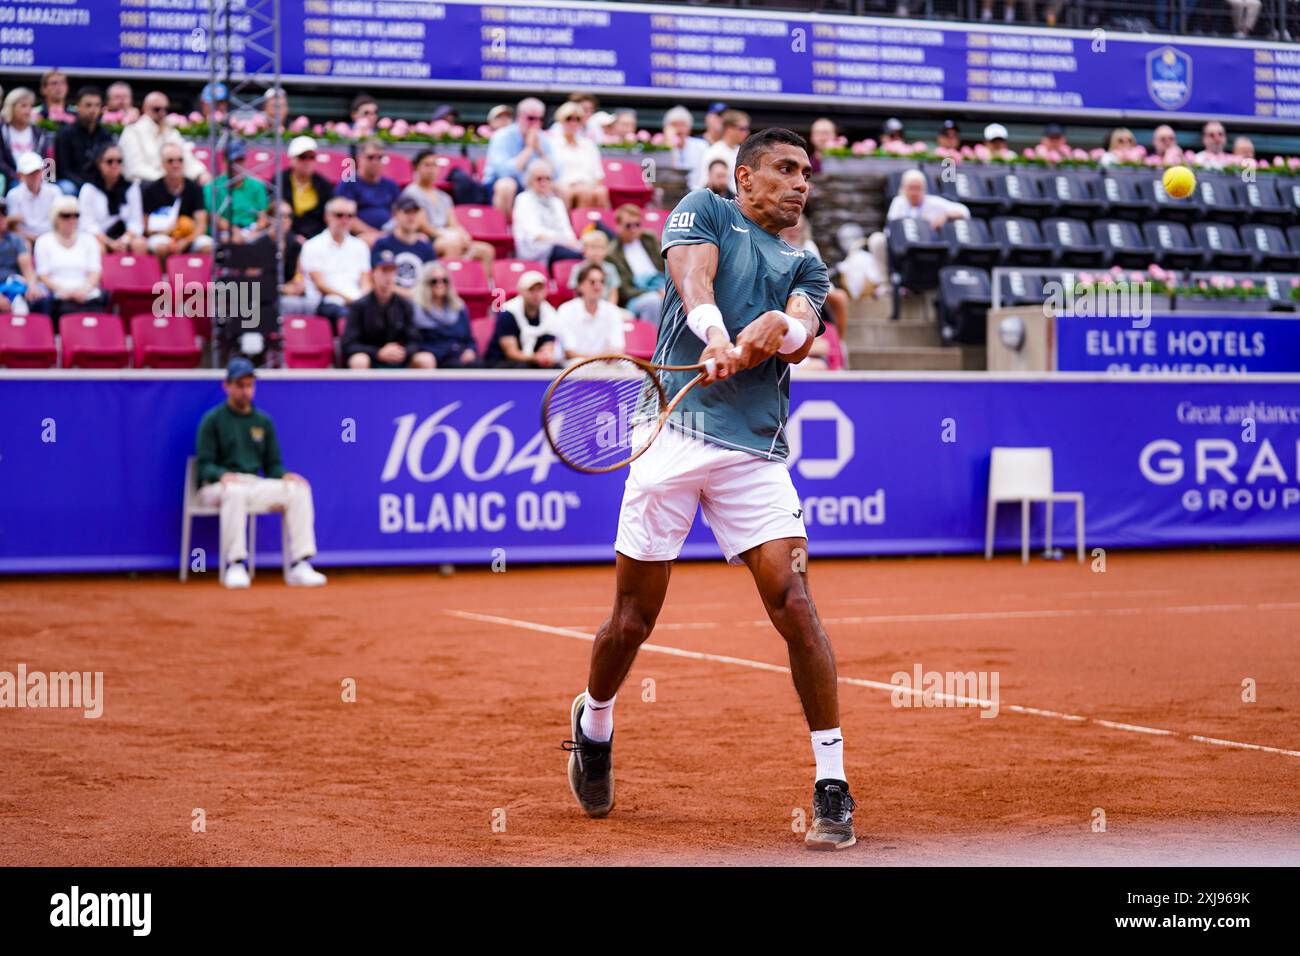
<point>1293,162</point>
<point>423,128</point>
<point>968,152</point>
<point>344,130</point>
<point>1094,155</point>
<point>643,136</point>
<point>176,119</point>
<point>1116,270</point>
<point>1295,283</point>
<point>859,149</point>
<point>400,129</point>
<point>485,131</point>
<point>457,131</point>
<point>1085,278</point>
<point>1247,283</point>
<point>196,117</point>
<point>439,128</point>
<point>657,139</point>
<point>1136,277</point>
<point>1219,282</point>
<point>318,129</point>
<point>300,124</point>
<point>920,147</point>
<point>982,153</point>
<point>1279,161</point>
<point>1029,152</point>
<point>385,122</point>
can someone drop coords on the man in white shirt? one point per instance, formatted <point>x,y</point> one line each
<point>912,202</point>
<point>735,129</point>
<point>31,201</point>
<point>589,324</point>
<point>1215,140</point>
<point>335,264</point>
<point>687,150</point>
<point>143,140</point>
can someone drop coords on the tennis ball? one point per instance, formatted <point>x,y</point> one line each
<point>1179,182</point>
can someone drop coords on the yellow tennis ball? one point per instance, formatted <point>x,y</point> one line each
<point>1179,181</point>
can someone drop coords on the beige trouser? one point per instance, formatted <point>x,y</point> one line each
<point>878,246</point>
<point>251,493</point>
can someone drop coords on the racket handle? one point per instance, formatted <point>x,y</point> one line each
<point>711,365</point>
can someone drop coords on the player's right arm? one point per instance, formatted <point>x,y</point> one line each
<point>692,269</point>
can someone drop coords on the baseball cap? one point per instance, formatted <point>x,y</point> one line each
<point>238,368</point>
<point>443,111</point>
<point>602,118</point>
<point>529,279</point>
<point>1053,129</point>
<point>404,202</point>
<point>300,145</point>
<point>237,150</point>
<point>717,108</point>
<point>29,163</point>
<point>502,109</point>
<point>949,124</point>
<point>893,125</point>
<point>207,93</point>
<point>995,131</point>
<point>382,258</point>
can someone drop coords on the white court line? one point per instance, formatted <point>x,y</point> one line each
<point>873,684</point>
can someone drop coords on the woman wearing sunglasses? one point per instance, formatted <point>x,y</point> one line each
<point>104,204</point>
<point>442,321</point>
<point>68,264</point>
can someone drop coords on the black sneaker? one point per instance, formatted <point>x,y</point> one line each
<point>591,766</point>
<point>832,827</point>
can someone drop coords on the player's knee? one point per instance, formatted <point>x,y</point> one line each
<point>632,625</point>
<point>791,600</point>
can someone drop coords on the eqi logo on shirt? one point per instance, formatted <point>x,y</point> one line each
<point>257,433</point>
<point>681,220</point>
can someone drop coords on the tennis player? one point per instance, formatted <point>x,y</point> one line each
<point>738,294</point>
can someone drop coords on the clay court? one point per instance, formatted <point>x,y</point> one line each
<point>1119,690</point>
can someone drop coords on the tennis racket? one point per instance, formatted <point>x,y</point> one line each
<point>602,413</point>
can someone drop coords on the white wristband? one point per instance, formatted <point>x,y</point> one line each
<point>795,336</point>
<point>705,317</point>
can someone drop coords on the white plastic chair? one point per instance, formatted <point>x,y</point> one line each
<point>191,508</point>
<point>1025,475</point>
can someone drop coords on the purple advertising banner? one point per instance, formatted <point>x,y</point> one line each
<point>412,468</point>
<point>1244,343</point>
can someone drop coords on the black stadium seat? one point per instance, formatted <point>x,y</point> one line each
<point>1173,245</point>
<point>1021,194</point>
<point>1023,241</point>
<point>965,295</point>
<point>971,243</point>
<point>1124,243</point>
<point>1166,206</point>
<point>1265,203</point>
<point>916,253</point>
<point>1221,246</point>
<point>1288,190</point>
<point>1219,197</point>
<point>1278,288</point>
<point>1293,237</point>
<point>1124,200</point>
<point>1019,288</point>
<point>1077,193</point>
<point>1269,247</point>
<point>1074,243</point>
<point>968,186</point>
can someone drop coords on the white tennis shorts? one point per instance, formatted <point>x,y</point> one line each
<point>746,500</point>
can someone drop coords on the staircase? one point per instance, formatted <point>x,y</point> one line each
<point>911,344</point>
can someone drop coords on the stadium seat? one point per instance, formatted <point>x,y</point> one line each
<point>471,284</point>
<point>969,187</point>
<point>164,341</point>
<point>93,340</point>
<point>1019,288</point>
<point>1077,193</point>
<point>482,329</point>
<point>1278,289</point>
<point>1123,243</point>
<point>1022,241</point>
<point>1265,202</point>
<point>1123,197</point>
<point>446,164</point>
<point>916,253</point>
<point>1073,242</point>
<point>1293,237</point>
<point>130,280</point>
<point>652,220</point>
<point>1220,199</point>
<point>1172,245</point>
<point>965,295</point>
<point>506,273</point>
<point>583,218</point>
<point>1288,191</point>
<point>331,164</point>
<point>261,163</point>
<point>191,509</point>
<point>186,269</point>
<point>27,341</point>
<point>487,224</point>
<point>1220,246</point>
<point>970,243</point>
<point>625,179</point>
<point>308,341</point>
<point>639,338</point>
<point>204,156</point>
<point>397,167</point>
<point>1166,206</point>
<point>560,291</point>
<point>1268,246</point>
<point>1021,194</point>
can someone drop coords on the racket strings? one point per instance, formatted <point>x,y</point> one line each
<point>594,410</point>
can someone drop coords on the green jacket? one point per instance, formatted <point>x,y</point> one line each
<point>228,441</point>
<point>627,289</point>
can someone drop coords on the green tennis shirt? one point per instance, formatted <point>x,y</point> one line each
<point>757,272</point>
<point>228,441</point>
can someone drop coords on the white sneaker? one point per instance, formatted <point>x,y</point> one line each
<point>303,575</point>
<point>236,577</point>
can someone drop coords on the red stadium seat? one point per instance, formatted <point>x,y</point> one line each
<point>27,341</point>
<point>308,341</point>
<point>506,273</point>
<point>626,182</point>
<point>331,164</point>
<point>471,284</point>
<point>164,341</point>
<point>487,224</point>
<point>260,161</point>
<point>204,156</point>
<point>560,292</point>
<point>639,338</point>
<point>583,218</point>
<point>446,164</point>
<point>397,167</point>
<point>93,340</point>
<point>834,349</point>
<point>130,280</point>
<point>653,219</point>
<point>483,328</point>
<point>480,164</point>
<point>185,270</point>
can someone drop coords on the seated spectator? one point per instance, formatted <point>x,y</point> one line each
<point>640,264</point>
<point>372,191</point>
<point>687,150</point>
<point>892,133</point>
<point>305,189</point>
<point>409,247</point>
<point>581,181</point>
<point>501,116</point>
<point>380,327</point>
<point>442,328</point>
<point>1243,147</point>
<point>1121,147</point>
<point>77,144</point>
<point>542,229</point>
<point>276,109</point>
<point>438,220</point>
<point>1053,140</point>
<point>1164,143</point>
<point>31,200</point>
<point>119,104</point>
<point>735,129</point>
<point>1245,13</point>
<point>821,135</point>
<point>17,273</point>
<point>447,114</point>
<point>995,140</point>
<point>713,122</point>
<point>510,151</point>
<point>590,104</point>
<point>719,179</point>
<point>239,470</point>
<point>595,252</point>
<point>238,199</point>
<point>68,265</point>
<point>54,97</point>
<point>1215,139</point>
<point>622,128</point>
<point>335,264</point>
<point>589,324</point>
<point>912,202</point>
<point>293,291</point>
<point>172,214</point>
<point>525,328</point>
<point>143,140</point>
<point>949,137</point>
<point>104,206</point>
<point>214,100</point>
<point>18,134</point>
<point>364,112</point>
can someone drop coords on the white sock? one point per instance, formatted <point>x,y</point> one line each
<point>828,751</point>
<point>597,721</point>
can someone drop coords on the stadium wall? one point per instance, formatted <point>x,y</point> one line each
<point>412,467</point>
